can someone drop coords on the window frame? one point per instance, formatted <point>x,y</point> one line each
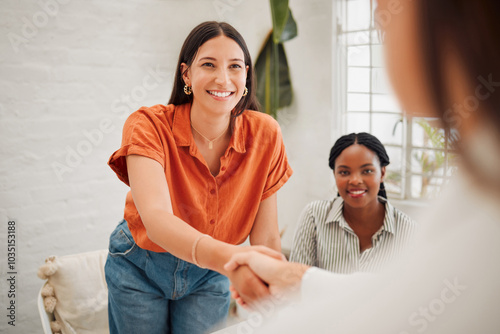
<point>407,145</point>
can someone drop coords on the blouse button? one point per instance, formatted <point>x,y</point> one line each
<point>212,191</point>
<point>212,221</point>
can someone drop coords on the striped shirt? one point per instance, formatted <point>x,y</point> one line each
<point>324,239</point>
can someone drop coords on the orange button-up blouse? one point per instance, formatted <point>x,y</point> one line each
<point>253,168</point>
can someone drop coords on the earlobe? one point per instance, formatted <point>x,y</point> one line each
<point>185,73</point>
<point>382,178</point>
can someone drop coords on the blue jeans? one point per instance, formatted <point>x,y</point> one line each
<point>151,292</point>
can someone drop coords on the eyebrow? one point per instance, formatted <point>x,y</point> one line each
<point>213,59</point>
<point>365,165</point>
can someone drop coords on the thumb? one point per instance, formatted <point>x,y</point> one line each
<point>237,260</point>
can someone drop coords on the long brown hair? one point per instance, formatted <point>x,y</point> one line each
<point>472,29</point>
<point>196,38</point>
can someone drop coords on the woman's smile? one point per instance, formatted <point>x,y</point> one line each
<point>220,95</point>
<point>357,193</point>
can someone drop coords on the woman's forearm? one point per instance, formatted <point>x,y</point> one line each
<point>178,238</point>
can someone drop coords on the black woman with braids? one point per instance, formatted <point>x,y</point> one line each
<point>358,230</point>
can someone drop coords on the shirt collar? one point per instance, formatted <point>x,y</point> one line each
<point>183,136</point>
<point>389,224</point>
<point>335,214</point>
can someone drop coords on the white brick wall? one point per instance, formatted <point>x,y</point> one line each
<point>68,71</point>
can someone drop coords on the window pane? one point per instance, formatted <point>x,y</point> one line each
<point>380,83</point>
<point>358,15</point>
<point>358,122</point>
<point>358,80</point>
<point>358,38</point>
<point>358,56</point>
<point>393,177</point>
<point>386,103</point>
<point>393,182</point>
<point>375,37</point>
<point>385,129</point>
<point>416,186</point>
<point>358,102</point>
<point>377,56</point>
<point>417,135</point>
<point>395,156</point>
<point>426,134</point>
<point>430,163</point>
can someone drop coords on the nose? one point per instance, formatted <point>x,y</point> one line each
<point>221,76</point>
<point>355,178</point>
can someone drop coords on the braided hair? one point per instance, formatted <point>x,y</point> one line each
<point>362,138</point>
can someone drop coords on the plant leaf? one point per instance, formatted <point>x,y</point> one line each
<point>290,29</point>
<point>279,14</point>
<point>285,83</point>
<point>267,88</point>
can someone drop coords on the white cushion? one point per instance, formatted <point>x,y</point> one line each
<point>81,292</point>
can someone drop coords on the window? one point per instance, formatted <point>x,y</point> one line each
<point>421,161</point>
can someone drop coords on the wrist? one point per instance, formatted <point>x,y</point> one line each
<point>194,250</point>
<point>214,254</point>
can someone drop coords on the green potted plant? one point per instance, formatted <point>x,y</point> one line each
<point>274,87</point>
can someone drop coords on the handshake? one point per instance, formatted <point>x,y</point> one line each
<point>258,272</point>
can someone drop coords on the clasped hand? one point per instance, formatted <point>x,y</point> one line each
<point>258,272</point>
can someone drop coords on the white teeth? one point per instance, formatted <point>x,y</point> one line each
<point>357,192</point>
<point>220,94</point>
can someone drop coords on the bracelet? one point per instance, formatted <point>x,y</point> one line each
<point>193,250</point>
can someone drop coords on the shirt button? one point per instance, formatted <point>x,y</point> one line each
<point>212,221</point>
<point>212,191</point>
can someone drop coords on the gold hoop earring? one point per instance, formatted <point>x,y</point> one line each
<point>187,90</point>
<point>245,92</point>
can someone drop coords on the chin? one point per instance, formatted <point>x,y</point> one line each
<point>356,205</point>
<point>359,202</point>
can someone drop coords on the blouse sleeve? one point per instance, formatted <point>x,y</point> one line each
<point>304,249</point>
<point>141,137</point>
<point>280,171</point>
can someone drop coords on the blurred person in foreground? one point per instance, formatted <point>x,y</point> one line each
<point>443,60</point>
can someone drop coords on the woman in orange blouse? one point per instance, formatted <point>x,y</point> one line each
<point>203,172</point>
